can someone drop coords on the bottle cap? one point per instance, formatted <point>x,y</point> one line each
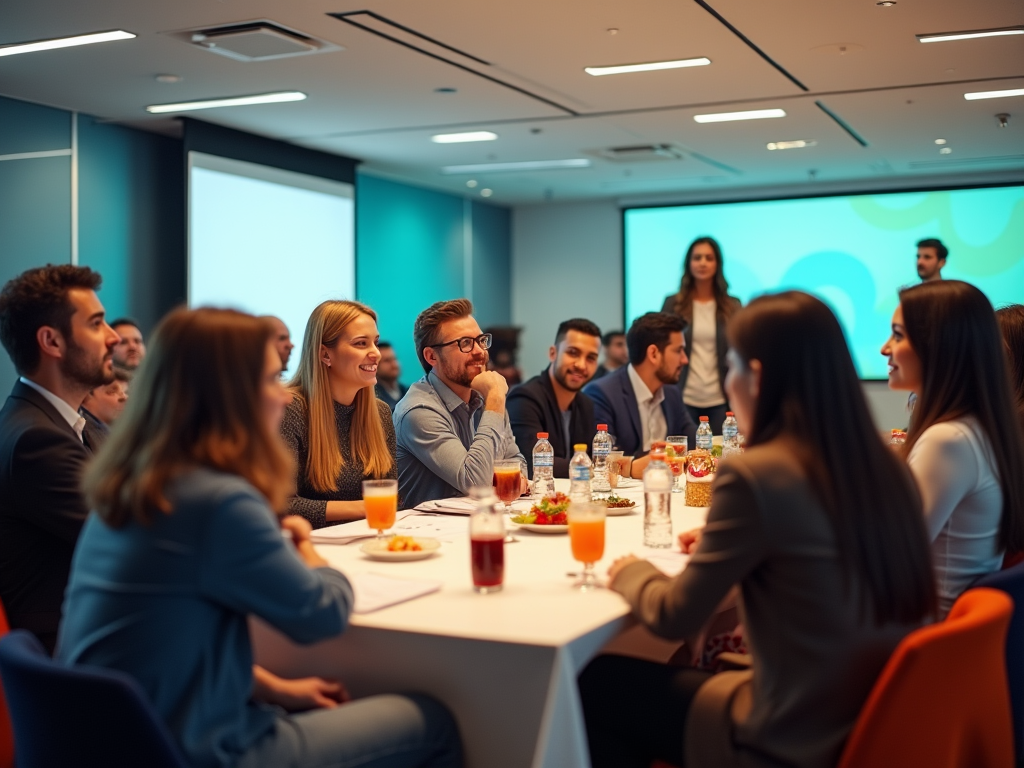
<point>729,413</point>
<point>542,435</point>
<point>703,418</point>
<point>602,427</point>
<point>580,447</point>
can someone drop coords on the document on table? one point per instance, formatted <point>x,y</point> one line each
<point>668,561</point>
<point>349,532</point>
<point>462,505</point>
<point>374,591</point>
<point>441,527</point>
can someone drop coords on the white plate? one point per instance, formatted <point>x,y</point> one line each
<point>378,550</point>
<point>542,528</point>
<point>620,511</point>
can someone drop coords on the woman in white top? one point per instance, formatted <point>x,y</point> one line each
<point>703,301</point>
<point>965,447</point>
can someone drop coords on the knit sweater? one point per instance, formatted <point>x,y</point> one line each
<point>309,502</point>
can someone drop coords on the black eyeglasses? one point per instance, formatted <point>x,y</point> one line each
<point>466,343</point>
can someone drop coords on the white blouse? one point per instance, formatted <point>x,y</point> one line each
<point>703,388</point>
<point>953,465</point>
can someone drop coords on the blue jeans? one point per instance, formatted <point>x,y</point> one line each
<point>387,731</point>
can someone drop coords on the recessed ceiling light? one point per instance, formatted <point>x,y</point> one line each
<point>649,67</point>
<point>940,141</point>
<point>947,36</point>
<point>486,192</point>
<point>168,78</point>
<point>446,90</point>
<point>461,138</point>
<point>994,94</point>
<point>798,144</point>
<point>754,114</point>
<point>232,101</point>
<point>66,42</point>
<point>471,183</point>
<point>886,3</point>
<point>946,151</point>
<point>527,165</point>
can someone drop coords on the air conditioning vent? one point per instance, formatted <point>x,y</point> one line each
<point>642,153</point>
<point>255,41</point>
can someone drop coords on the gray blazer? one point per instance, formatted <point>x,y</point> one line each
<point>816,649</point>
<point>721,342</point>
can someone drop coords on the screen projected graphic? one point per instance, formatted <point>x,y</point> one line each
<point>853,252</point>
<point>268,241</point>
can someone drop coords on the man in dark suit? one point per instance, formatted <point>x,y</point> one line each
<point>388,387</point>
<point>640,402</point>
<point>552,402</point>
<point>613,344</point>
<point>52,325</point>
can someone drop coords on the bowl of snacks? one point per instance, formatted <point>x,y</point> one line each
<point>616,505</point>
<point>401,548</point>
<point>549,515</point>
<point>701,467</point>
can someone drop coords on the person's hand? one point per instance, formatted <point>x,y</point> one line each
<point>304,693</point>
<point>524,485</point>
<point>300,530</point>
<point>619,564</point>
<point>639,465</point>
<point>492,387</point>
<point>688,540</point>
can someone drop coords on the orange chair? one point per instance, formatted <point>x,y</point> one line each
<point>942,700</point>
<point>6,734</point>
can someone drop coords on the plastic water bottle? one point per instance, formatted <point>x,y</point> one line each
<point>658,482</point>
<point>704,436</point>
<point>543,467</point>
<point>730,434</point>
<point>602,447</point>
<point>579,475</point>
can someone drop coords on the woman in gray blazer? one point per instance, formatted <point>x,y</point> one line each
<point>820,527</point>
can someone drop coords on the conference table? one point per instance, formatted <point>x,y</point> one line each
<point>504,663</point>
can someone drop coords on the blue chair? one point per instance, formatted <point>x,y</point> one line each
<point>1011,581</point>
<point>79,717</point>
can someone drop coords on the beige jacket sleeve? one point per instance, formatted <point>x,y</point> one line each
<point>733,545</point>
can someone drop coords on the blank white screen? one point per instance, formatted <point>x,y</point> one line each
<point>267,241</point>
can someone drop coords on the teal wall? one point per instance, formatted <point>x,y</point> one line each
<point>412,248</point>
<point>411,243</point>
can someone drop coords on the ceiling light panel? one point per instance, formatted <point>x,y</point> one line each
<point>943,37</point>
<point>649,67</point>
<point>527,165</point>
<point>65,42</point>
<point>994,94</point>
<point>753,114</point>
<point>232,101</point>
<point>462,138</point>
<point>798,144</point>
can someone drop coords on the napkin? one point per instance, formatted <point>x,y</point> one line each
<point>374,591</point>
<point>462,505</point>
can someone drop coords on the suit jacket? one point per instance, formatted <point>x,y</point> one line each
<point>41,509</point>
<point>721,342</point>
<point>816,647</point>
<point>615,405</point>
<point>382,394</point>
<point>532,407</point>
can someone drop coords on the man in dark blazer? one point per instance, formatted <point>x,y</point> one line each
<point>640,402</point>
<point>552,402</point>
<point>52,326</point>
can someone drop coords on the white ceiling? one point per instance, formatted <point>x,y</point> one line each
<point>376,100</point>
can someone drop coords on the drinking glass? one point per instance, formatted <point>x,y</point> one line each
<point>381,500</point>
<point>626,467</point>
<point>486,542</point>
<point>614,468</point>
<point>586,536</point>
<point>676,458</point>
<point>507,485</point>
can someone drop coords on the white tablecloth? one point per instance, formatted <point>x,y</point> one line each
<point>504,663</point>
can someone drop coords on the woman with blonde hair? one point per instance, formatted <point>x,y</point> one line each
<point>184,546</point>
<point>338,431</point>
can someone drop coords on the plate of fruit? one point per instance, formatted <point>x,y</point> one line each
<point>617,505</point>
<point>549,515</point>
<point>397,548</point>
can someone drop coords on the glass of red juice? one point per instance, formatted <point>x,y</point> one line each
<point>487,544</point>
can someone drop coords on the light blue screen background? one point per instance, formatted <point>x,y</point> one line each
<point>853,252</point>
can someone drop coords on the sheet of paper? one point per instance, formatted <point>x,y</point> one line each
<point>668,561</point>
<point>374,591</point>
<point>459,506</point>
<point>349,532</point>
<point>441,527</point>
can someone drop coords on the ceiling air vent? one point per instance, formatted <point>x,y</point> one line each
<point>257,41</point>
<point>642,153</point>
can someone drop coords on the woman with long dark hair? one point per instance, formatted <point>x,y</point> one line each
<point>703,301</point>
<point>1011,325</point>
<point>184,546</point>
<point>964,446</point>
<point>338,431</point>
<point>820,527</point>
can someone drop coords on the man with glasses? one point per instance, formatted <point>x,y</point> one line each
<point>451,424</point>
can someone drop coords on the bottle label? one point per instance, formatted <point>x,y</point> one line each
<point>577,472</point>
<point>543,460</point>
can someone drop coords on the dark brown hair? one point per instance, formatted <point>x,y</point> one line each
<point>427,330</point>
<point>37,298</point>
<point>195,403</point>
<point>952,328</point>
<point>652,328</point>
<point>683,305</point>
<point>810,393</point>
<point>1011,325</point>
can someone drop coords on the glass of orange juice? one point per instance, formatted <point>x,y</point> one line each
<point>381,500</point>
<point>586,535</point>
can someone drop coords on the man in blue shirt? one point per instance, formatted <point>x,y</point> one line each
<point>451,424</point>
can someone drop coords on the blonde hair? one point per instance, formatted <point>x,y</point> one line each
<point>196,402</point>
<point>311,386</point>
